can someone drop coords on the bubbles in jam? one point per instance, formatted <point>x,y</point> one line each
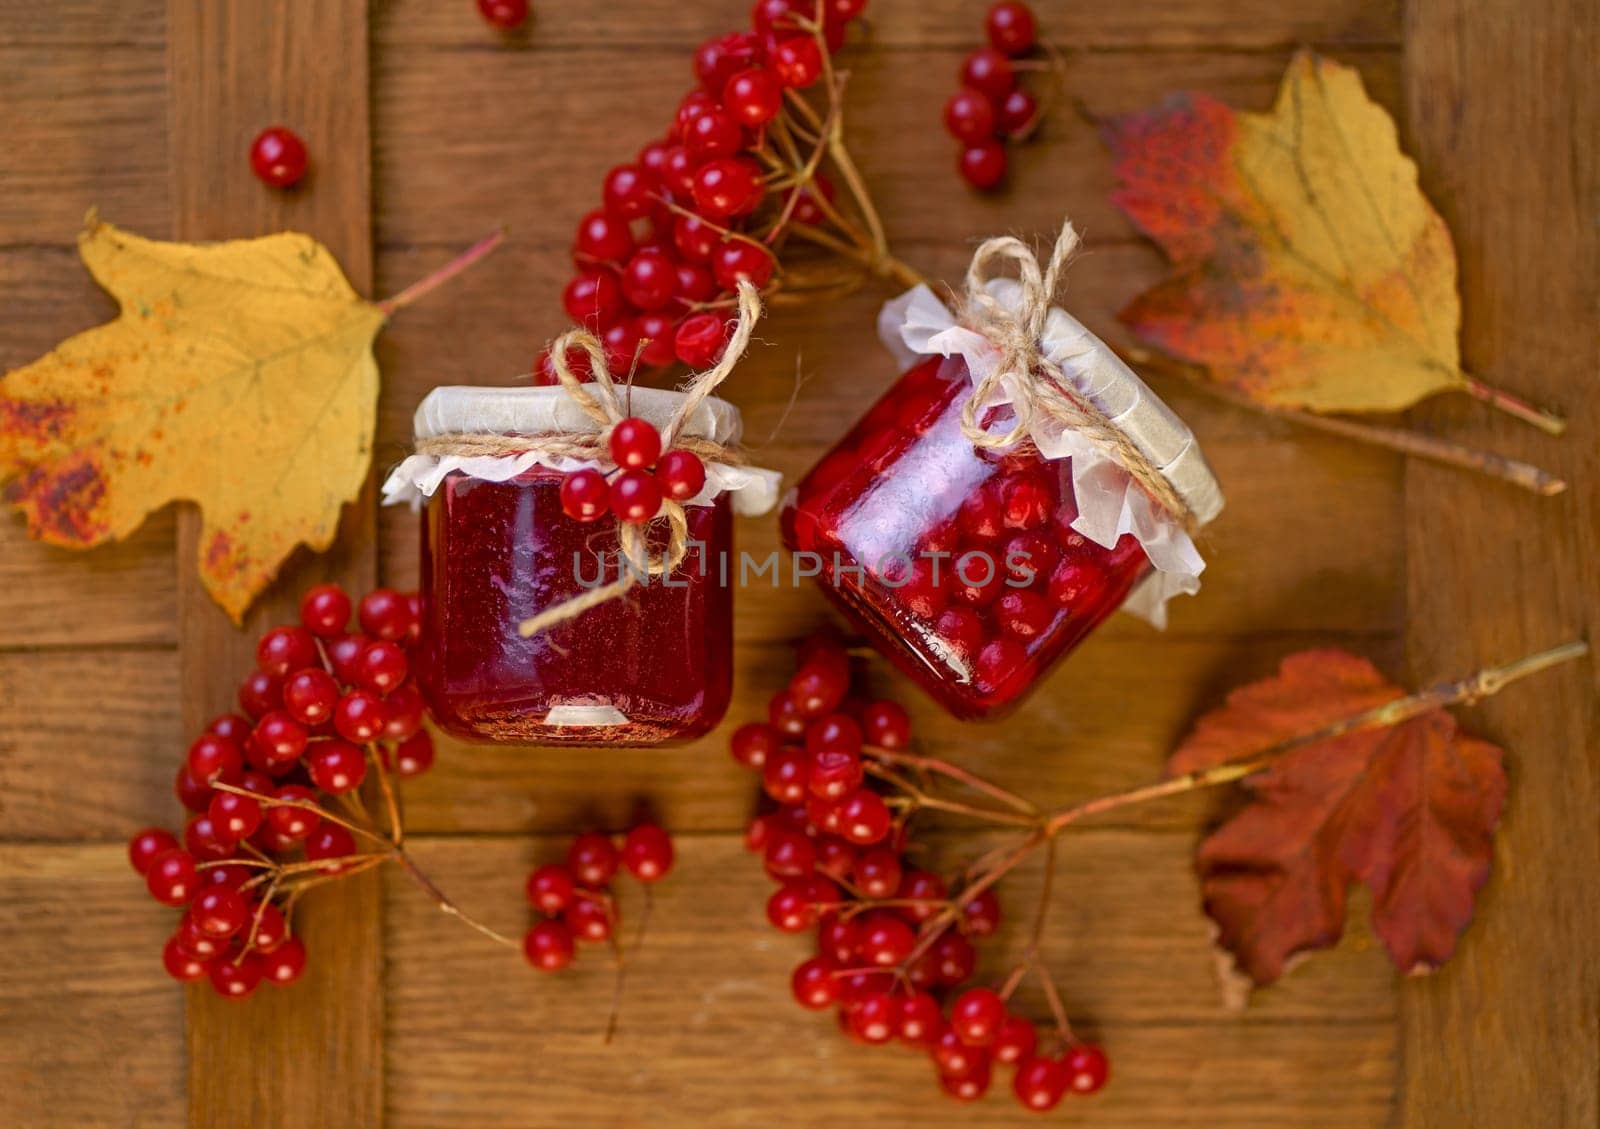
<point>961,565</point>
<point>651,666</point>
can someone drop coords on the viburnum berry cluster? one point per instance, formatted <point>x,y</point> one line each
<point>644,475</point>
<point>574,897</point>
<point>324,706</point>
<point>896,943</point>
<point>746,167</point>
<point>992,108</point>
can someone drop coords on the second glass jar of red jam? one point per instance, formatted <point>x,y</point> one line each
<point>960,563</point>
<point>650,666</point>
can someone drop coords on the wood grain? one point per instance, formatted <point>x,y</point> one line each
<point>237,66</point>
<point>472,1033</point>
<point>1504,99</point>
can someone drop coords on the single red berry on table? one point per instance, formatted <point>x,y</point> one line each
<point>145,846</point>
<point>278,157</point>
<point>585,495</point>
<point>681,475</point>
<point>635,496</point>
<point>647,853</point>
<point>548,946</point>
<point>989,72</point>
<point>969,116</point>
<point>983,165</point>
<point>635,443</point>
<point>192,792</point>
<point>507,15</point>
<point>325,610</point>
<point>592,858</point>
<point>1040,1083</point>
<point>1087,1068</point>
<point>1010,26</point>
<point>284,965</point>
<point>777,15</point>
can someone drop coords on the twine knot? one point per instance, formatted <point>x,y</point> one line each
<point>1039,385</point>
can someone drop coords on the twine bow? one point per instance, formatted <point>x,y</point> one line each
<point>1041,387</point>
<point>601,402</point>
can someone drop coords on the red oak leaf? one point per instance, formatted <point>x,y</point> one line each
<point>1409,811</point>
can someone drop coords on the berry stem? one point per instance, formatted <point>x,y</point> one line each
<point>429,283</point>
<point>445,904</point>
<point>954,772</point>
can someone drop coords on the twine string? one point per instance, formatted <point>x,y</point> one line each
<point>1041,386</point>
<point>601,402</point>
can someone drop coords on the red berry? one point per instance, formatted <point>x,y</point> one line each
<point>989,72</point>
<point>329,841</point>
<point>784,776</point>
<point>389,615</point>
<point>1076,586</point>
<point>1010,27</point>
<point>172,877</point>
<point>740,260</point>
<point>382,667</point>
<point>956,1059</point>
<point>875,1018</point>
<point>414,756</point>
<point>336,767</point>
<point>999,662</point>
<point>753,97</point>
<point>288,821</point>
<point>864,818</point>
<point>976,1016</point>
<point>753,743</point>
<point>796,60</point>
<point>789,854</point>
<point>278,157</point>
<point>284,965</point>
<point>578,364</point>
<point>980,916</point>
<point>717,60</point>
<point>710,133</point>
<point>877,873</point>
<point>230,727</point>
<point>695,238</point>
<point>694,103</point>
<point>677,172</point>
<point>343,654</point>
<point>627,192</point>
<point>681,475</point>
<point>236,979</point>
<point>592,859</point>
<point>838,942</point>
<point>920,1020</point>
<point>983,165</point>
<point>1016,1040</point>
<point>785,714</point>
<point>325,610</point>
<point>268,931</point>
<point>276,744</point>
<point>655,329</point>
<point>969,116</point>
<point>548,946</point>
<point>603,238</point>
<point>593,299</point>
<point>886,725</point>
<point>922,886</point>
<point>771,15</point>
<point>180,965</point>
<point>696,284</point>
<point>834,774</point>
<point>1087,1068</point>
<point>635,497</point>
<point>284,649</point>
<point>701,340</point>
<point>728,186</point>
<point>814,984</point>
<point>885,939</point>
<point>192,792</point>
<point>309,695</point>
<point>212,758</point>
<point>647,853</point>
<point>590,920</point>
<point>818,687</point>
<point>507,15</point>
<point>954,959</point>
<point>206,841</point>
<point>1016,114</point>
<point>790,908</point>
<point>234,816</point>
<point>837,732</point>
<point>585,495</point>
<point>551,889</point>
<point>219,912</point>
<point>359,717</point>
<point>650,279</point>
<point>1025,615</point>
<point>147,844</point>
<point>1040,1083</point>
<point>635,444</point>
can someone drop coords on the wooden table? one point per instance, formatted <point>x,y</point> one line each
<point>426,130</point>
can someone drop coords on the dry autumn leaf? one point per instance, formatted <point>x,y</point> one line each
<point>238,376</point>
<point>1406,809</point>
<point>1309,270</point>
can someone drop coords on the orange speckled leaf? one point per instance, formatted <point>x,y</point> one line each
<point>1309,271</point>
<point>238,375</point>
<point>1409,811</point>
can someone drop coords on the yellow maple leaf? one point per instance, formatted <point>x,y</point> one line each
<point>1310,271</point>
<point>238,375</point>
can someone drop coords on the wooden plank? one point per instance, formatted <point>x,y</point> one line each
<point>115,24</point>
<point>451,162</point>
<point>237,66</point>
<point>48,735</point>
<point>92,1023</point>
<point>84,127</point>
<point>1128,945</point>
<point>1504,98</point>
<point>954,24</point>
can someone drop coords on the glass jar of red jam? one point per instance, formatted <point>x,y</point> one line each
<point>650,666</point>
<point>962,563</point>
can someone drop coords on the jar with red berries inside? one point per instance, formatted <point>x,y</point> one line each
<point>977,524</point>
<point>574,574</point>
